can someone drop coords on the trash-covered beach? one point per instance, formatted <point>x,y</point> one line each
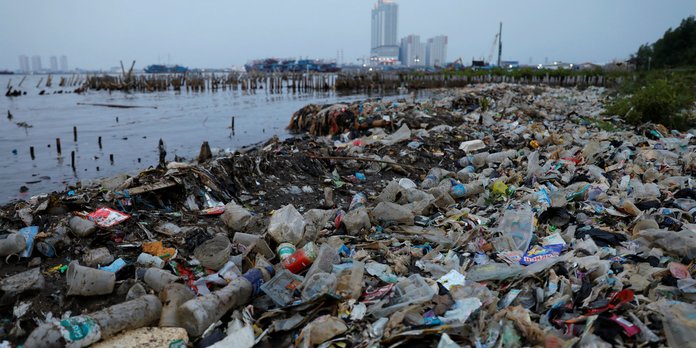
<point>497,215</point>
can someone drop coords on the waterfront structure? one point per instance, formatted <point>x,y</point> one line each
<point>436,51</point>
<point>385,47</point>
<point>412,51</point>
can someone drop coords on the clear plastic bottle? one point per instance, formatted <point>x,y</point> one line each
<point>499,157</point>
<point>467,190</point>
<point>433,178</point>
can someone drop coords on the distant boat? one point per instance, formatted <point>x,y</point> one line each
<point>165,69</point>
<point>6,72</point>
<point>291,65</point>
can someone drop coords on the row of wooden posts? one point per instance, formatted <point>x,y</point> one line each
<point>236,81</point>
<point>162,152</point>
<point>59,151</point>
<point>303,82</point>
<point>386,81</point>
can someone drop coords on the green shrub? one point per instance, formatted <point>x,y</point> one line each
<point>665,101</point>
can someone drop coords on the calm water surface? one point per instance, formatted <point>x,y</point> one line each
<point>183,120</point>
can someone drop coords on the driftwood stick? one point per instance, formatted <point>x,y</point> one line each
<point>119,106</point>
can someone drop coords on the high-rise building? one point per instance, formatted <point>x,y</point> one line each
<point>436,51</point>
<point>54,63</point>
<point>24,64</point>
<point>63,63</point>
<point>384,35</point>
<point>412,51</point>
<point>36,63</point>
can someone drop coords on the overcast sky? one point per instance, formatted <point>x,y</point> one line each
<point>223,33</point>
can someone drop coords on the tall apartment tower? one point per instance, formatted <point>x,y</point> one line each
<point>36,63</point>
<point>54,63</point>
<point>436,51</point>
<point>412,51</point>
<point>385,44</point>
<point>24,64</point>
<point>63,63</point>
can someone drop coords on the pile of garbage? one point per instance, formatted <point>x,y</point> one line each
<point>492,216</point>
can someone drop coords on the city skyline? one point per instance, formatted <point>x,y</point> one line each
<point>596,31</point>
<point>55,65</point>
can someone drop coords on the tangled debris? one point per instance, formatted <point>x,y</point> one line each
<point>499,215</point>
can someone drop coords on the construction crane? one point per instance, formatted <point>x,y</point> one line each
<point>497,39</point>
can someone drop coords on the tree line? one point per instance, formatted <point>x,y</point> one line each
<point>676,49</point>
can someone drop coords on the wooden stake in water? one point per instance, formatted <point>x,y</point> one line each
<point>232,126</point>
<point>99,142</point>
<point>74,132</point>
<point>31,152</point>
<point>58,146</point>
<point>111,158</point>
<point>72,160</point>
<point>162,154</point>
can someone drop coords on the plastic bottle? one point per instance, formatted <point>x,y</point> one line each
<point>84,330</point>
<point>499,157</point>
<point>433,178</point>
<point>197,314</point>
<point>466,190</point>
<point>477,160</point>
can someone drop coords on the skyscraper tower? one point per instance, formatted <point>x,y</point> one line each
<point>63,63</point>
<point>36,64</point>
<point>24,64</point>
<point>384,30</point>
<point>54,63</point>
<point>436,51</point>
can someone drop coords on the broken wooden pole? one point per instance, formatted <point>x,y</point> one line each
<point>72,160</point>
<point>205,154</point>
<point>74,132</point>
<point>111,158</point>
<point>31,152</point>
<point>162,154</point>
<point>99,142</point>
<point>58,146</point>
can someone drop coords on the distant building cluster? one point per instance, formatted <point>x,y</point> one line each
<point>57,65</point>
<point>410,51</point>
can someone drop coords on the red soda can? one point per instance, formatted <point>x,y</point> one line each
<point>301,259</point>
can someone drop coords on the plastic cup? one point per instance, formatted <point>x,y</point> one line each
<point>85,281</point>
<point>214,253</point>
<point>13,244</point>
